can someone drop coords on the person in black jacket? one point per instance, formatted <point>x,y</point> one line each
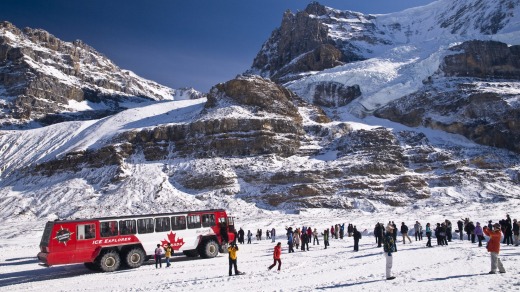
<point>305,241</point>
<point>378,234</point>
<point>241,236</point>
<point>394,234</point>
<point>471,231</point>
<point>516,231</point>
<point>357,237</point>
<point>460,225</point>
<point>404,232</point>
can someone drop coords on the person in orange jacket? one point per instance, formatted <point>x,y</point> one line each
<point>276,256</point>
<point>494,248</point>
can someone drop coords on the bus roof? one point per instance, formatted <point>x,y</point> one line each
<point>137,216</point>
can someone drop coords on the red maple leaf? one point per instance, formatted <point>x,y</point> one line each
<point>176,244</point>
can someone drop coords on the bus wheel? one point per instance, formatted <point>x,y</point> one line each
<point>134,258</point>
<point>109,261</point>
<point>209,249</point>
<point>92,266</point>
<point>191,253</point>
<point>223,248</point>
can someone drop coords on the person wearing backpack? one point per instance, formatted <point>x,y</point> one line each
<point>158,255</point>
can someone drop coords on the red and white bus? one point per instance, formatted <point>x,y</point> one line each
<point>107,243</point>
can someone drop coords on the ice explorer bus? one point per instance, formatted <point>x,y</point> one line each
<point>105,244</point>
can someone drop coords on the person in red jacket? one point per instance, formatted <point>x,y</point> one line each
<point>494,248</point>
<point>276,256</point>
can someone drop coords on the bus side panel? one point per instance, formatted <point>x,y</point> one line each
<point>186,239</point>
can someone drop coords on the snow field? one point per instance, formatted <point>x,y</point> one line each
<point>460,266</point>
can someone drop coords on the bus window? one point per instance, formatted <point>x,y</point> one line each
<point>162,224</point>
<point>208,220</point>
<point>86,231</point>
<point>127,227</point>
<point>145,225</point>
<point>178,222</point>
<point>193,221</point>
<point>108,228</point>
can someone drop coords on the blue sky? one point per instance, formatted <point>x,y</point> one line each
<point>190,43</point>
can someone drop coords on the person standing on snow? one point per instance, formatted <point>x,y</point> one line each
<point>357,237</point>
<point>273,234</point>
<point>494,248</point>
<point>290,243</point>
<point>304,241</point>
<point>326,238</point>
<point>380,231</point>
<point>479,233</point>
<point>309,235</point>
<point>168,251</point>
<point>418,230</point>
<point>341,231</point>
<point>241,236</point>
<point>232,255</point>
<point>389,249</point>
<point>249,235</point>
<point>158,254</point>
<point>277,253</point>
<point>460,225</point>
<point>394,234</point>
<point>315,235</point>
<point>448,230</point>
<point>429,235</point>
<point>404,233</point>
<point>516,231</point>
<point>296,239</point>
<point>350,228</point>
<point>471,231</point>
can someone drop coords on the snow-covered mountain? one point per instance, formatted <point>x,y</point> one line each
<point>366,112</point>
<point>48,80</point>
<point>366,62</point>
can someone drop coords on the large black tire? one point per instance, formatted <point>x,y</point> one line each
<point>209,249</point>
<point>109,261</point>
<point>191,253</point>
<point>134,258</point>
<point>92,266</point>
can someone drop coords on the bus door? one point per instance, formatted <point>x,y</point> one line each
<point>63,242</point>
<point>86,235</point>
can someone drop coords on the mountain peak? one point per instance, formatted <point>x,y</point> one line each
<point>48,80</point>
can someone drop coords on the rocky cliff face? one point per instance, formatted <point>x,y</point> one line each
<point>483,59</point>
<point>301,44</point>
<point>48,80</point>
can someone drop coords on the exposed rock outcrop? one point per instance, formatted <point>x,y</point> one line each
<point>301,44</point>
<point>484,59</point>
